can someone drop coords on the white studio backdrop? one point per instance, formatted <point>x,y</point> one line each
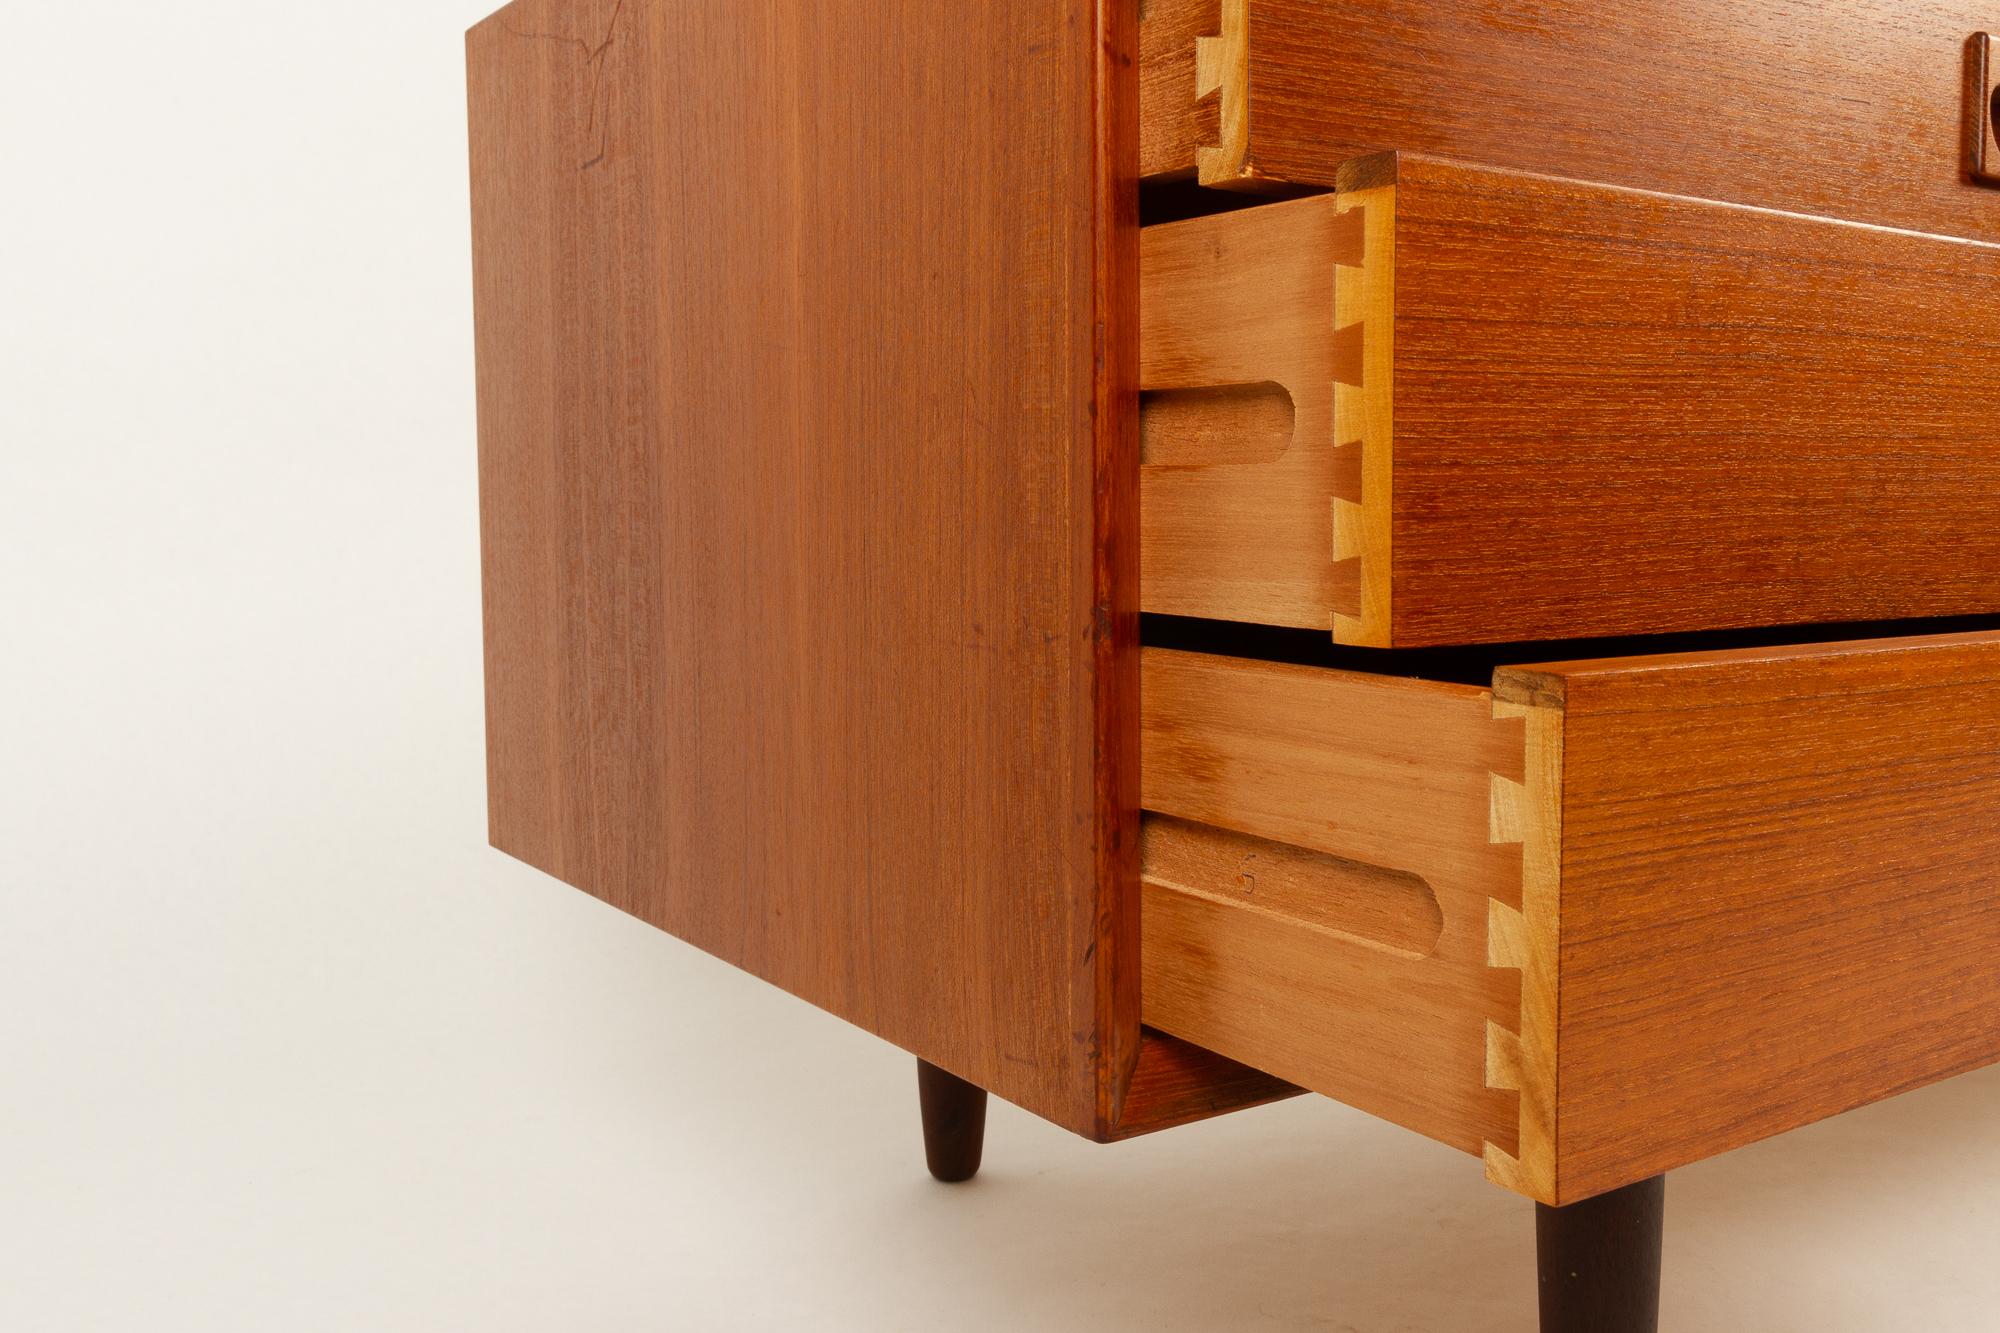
<point>284,1047</point>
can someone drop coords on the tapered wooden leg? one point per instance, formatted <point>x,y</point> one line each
<point>954,1123</point>
<point>1600,1261</point>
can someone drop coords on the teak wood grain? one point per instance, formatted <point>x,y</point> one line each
<point>1597,411</point>
<point>1856,109</point>
<point>1778,890</point>
<point>808,464</point>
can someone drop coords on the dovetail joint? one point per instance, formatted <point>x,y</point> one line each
<point>1523,939</point>
<point>1506,936</point>
<point>1363,373</point>
<point>1222,71</point>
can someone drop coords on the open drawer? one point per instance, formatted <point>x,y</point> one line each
<point>1456,405</point>
<point>1601,920</point>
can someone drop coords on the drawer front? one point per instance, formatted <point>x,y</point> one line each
<point>1858,109</point>
<point>1522,408</point>
<point>1778,889</point>
<point>1675,904</point>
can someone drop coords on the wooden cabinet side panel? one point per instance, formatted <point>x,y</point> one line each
<point>1623,413</point>
<point>1779,877</point>
<point>1855,108</point>
<point>807,505</point>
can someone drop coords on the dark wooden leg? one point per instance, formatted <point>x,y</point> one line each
<point>1600,1261</point>
<point>954,1123</point>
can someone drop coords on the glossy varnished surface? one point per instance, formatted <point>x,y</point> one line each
<point>808,502</point>
<point>1853,108</point>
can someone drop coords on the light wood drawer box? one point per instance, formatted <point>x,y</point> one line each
<point>1452,405</point>
<point>1598,921</point>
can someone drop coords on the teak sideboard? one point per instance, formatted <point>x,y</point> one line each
<point>1163,554</point>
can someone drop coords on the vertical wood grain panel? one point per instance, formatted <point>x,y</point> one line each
<point>806,338</point>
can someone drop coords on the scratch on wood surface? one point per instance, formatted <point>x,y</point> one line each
<point>597,125</point>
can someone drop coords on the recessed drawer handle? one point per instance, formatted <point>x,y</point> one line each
<point>1222,423</point>
<point>1983,118</point>
<point>1373,906</point>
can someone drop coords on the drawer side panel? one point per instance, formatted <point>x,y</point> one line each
<point>1291,302</point>
<point>1392,778</point>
